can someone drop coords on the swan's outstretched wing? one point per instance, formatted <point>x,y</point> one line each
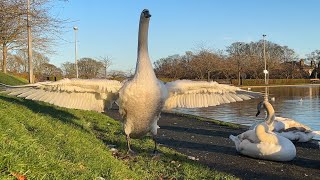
<point>86,94</point>
<point>192,94</point>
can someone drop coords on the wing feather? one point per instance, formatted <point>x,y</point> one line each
<point>39,95</point>
<point>18,91</point>
<point>192,94</point>
<point>27,93</point>
<point>47,98</point>
<point>229,97</point>
<point>87,94</point>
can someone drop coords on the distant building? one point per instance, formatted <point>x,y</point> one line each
<point>302,70</point>
<point>306,68</point>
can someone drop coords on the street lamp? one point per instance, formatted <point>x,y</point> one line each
<point>265,71</point>
<point>75,28</point>
<point>238,60</point>
<point>31,79</point>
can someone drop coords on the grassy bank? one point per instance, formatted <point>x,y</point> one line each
<point>41,141</point>
<point>11,80</point>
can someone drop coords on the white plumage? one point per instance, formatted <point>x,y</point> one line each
<point>285,127</point>
<point>263,144</point>
<point>191,94</point>
<point>86,94</point>
<point>140,99</point>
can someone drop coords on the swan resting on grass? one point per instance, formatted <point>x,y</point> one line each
<point>140,100</point>
<point>285,127</point>
<point>262,143</point>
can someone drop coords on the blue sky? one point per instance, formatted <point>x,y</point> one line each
<point>110,28</point>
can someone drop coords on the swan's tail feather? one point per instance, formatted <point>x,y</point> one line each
<point>316,132</point>
<point>236,141</point>
<point>316,135</point>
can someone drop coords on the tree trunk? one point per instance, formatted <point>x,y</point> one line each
<point>239,81</point>
<point>4,57</point>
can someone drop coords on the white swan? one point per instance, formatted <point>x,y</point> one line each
<point>286,127</point>
<point>263,144</point>
<point>140,99</point>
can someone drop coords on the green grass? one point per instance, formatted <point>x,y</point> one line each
<point>42,141</point>
<point>11,80</point>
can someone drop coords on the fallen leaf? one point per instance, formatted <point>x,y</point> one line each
<point>19,176</point>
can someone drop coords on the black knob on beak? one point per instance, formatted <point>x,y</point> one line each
<point>146,13</point>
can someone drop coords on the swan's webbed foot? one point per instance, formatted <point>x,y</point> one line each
<point>130,151</point>
<point>156,152</point>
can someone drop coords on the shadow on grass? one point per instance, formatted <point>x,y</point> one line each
<point>44,109</point>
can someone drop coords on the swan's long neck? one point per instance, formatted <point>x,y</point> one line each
<point>143,67</point>
<point>270,113</point>
<point>263,136</point>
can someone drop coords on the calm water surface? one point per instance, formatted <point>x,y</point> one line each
<point>301,103</point>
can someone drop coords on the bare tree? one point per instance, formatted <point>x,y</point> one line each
<point>89,68</point>
<point>15,63</point>
<point>38,63</point>
<point>238,51</point>
<point>50,72</point>
<point>13,26</point>
<point>106,60</point>
<point>169,67</point>
<point>314,56</point>
<point>117,74</point>
<point>68,69</point>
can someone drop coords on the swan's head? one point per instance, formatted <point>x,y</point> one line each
<point>270,111</point>
<point>145,14</point>
<point>260,107</point>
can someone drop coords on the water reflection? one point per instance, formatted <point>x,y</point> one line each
<point>301,103</point>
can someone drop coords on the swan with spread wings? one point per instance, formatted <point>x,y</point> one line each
<point>140,99</point>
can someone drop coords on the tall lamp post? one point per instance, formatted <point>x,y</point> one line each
<point>31,79</point>
<point>238,61</point>
<point>265,71</point>
<point>75,28</point>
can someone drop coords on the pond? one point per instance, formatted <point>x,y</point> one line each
<point>301,103</point>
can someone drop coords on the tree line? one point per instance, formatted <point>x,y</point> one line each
<point>43,70</point>
<point>240,59</point>
<point>244,60</point>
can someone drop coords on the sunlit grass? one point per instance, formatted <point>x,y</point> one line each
<point>11,80</point>
<point>42,141</point>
